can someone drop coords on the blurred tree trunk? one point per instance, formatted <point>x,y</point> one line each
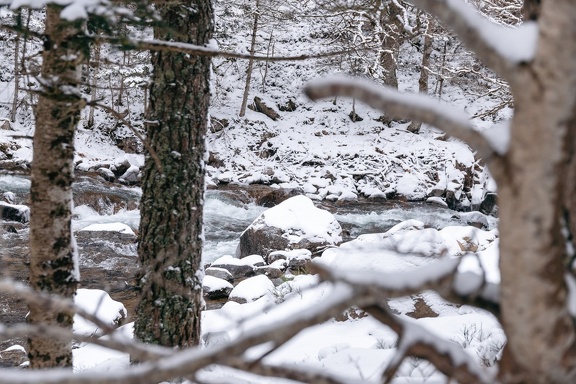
<point>53,264</point>
<point>171,237</point>
<point>423,79</point>
<point>390,44</point>
<point>250,61</point>
<point>531,9</point>
<point>16,78</point>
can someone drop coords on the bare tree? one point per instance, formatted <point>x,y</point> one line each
<point>53,264</point>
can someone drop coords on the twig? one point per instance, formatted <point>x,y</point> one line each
<point>120,118</point>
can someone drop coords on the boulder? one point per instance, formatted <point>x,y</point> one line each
<point>130,177</point>
<point>13,212</point>
<point>293,224</point>
<point>120,166</point>
<point>220,273</point>
<point>488,204</point>
<point>238,268</point>
<point>296,260</point>
<point>215,288</point>
<point>251,289</point>
<point>107,174</point>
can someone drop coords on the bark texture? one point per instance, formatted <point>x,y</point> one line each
<point>391,42</point>
<point>532,182</point>
<point>52,248</point>
<point>170,245</point>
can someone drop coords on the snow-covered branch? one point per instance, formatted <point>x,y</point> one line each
<point>441,276</point>
<point>401,105</point>
<point>184,363</point>
<point>416,341</point>
<point>291,372</point>
<point>50,302</point>
<point>192,49</point>
<point>499,47</point>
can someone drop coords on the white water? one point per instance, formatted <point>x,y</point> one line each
<point>226,218</point>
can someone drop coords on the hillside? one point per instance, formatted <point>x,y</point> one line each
<point>313,146</point>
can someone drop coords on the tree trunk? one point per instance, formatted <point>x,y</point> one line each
<point>250,61</point>
<point>170,244</point>
<point>423,79</point>
<point>531,185</point>
<point>390,44</point>
<point>16,78</point>
<point>94,84</point>
<point>53,264</point>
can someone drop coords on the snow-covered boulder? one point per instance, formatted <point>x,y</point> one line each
<point>239,268</point>
<point>14,212</point>
<point>296,259</point>
<point>99,304</point>
<point>220,273</point>
<point>131,176</point>
<point>251,289</point>
<point>109,227</point>
<point>293,224</point>
<point>215,288</point>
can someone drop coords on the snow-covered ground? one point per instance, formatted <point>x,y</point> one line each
<point>315,147</point>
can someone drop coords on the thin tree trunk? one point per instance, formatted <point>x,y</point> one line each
<point>94,83</point>
<point>250,61</point>
<point>423,79</point>
<point>16,78</point>
<point>170,244</point>
<point>53,264</point>
<point>390,45</point>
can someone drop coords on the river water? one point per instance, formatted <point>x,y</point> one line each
<point>225,217</point>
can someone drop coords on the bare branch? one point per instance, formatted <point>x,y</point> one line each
<point>186,362</point>
<point>167,46</point>
<point>142,139</point>
<point>439,276</point>
<point>291,372</point>
<point>51,302</point>
<point>447,357</point>
<point>140,351</point>
<point>493,43</point>
<point>401,105</point>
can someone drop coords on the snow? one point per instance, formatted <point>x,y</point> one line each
<point>100,304</point>
<point>214,284</point>
<point>299,217</point>
<point>252,288</point>
<point>348,161</point>
<point>110,227</point>
<point>515,44</point>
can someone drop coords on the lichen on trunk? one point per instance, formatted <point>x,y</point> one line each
<point>170,243</point>
<point>53,266</point>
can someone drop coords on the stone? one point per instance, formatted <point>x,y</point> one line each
<point>488,204</point>
<point>293,224</point>
<point>14,356</point>
<point>120,166</point>
<point>107,174</point>
<point>13,212</point>
<point>236,267</point>
<point>5,125</point>
<point>215,288</point>
<point>474,219</point>
<point>131,176</point>
<point>251,289</point>
<point>220,273</point>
